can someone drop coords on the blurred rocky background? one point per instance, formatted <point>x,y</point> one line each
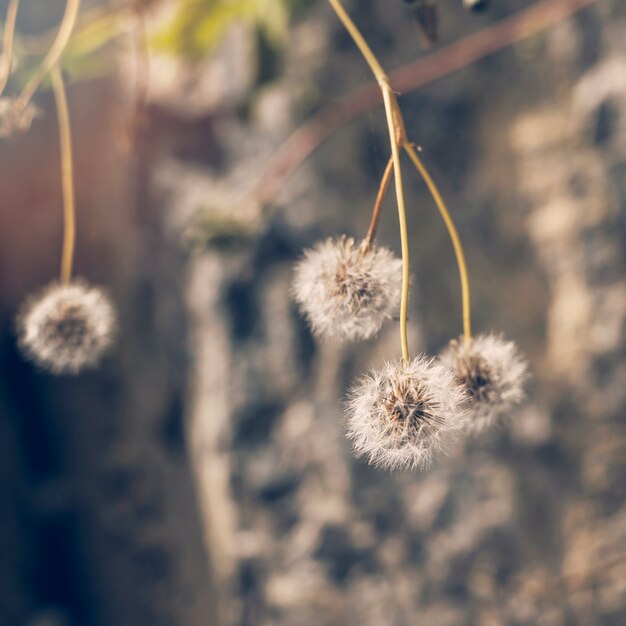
<point>201,476</point>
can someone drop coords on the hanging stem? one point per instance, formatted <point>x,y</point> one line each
<point>397,136</point>
<point>67,175</point>
<point>452,231</point>
<point>382,191</point>
<point>54,54</point>
<point>288,157</point>
<point>399,139</point>
<point>389,99</point>
<point>7,44</point>
<point>359,40</point>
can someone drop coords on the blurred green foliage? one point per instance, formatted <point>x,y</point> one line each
<point>213,229</point>
<point>199,25</point>
<point>192,33</point>
<point>85,56</point>
<point>90,52</point>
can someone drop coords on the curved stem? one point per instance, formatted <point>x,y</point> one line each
<point>382,191</point>
<point>96,18</point>
<point>454,236</point>
<point>67,175</point>
<point>7,44</point>
<point>359,40</point>
<point>397,136</point>
<point>54,54</point>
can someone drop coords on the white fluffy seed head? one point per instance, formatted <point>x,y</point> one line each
<point>66,328</point>
<point>346,291</point>
<point>491,372</point>
<point>12,120</point>
<point>403,414</point>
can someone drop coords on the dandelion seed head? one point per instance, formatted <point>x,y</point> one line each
<point>345,291</point>
<point>492,374</point>
<point>66,328</point>
<point>14,120</point>
<point>401,415</point>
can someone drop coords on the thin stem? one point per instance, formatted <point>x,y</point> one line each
<point>404,233</point>
<point>359,40</point>
<point>54,54</point>
<point>7,44</point>
<point>382,191</point>
<point>67,175</point>
<point>96,18</point>
<point>454,236</point>
<point>397,136</point>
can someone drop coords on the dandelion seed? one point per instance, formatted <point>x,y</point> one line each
<point>66,328</point>
<point>403,414</point>
<point>491,372</point>
<point>347,291</point>
<point>14,120</point>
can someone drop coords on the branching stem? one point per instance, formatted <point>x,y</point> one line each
<point>382,191</point>
<point>67,175</point>
<point>398,137</point>
<point>54,54</point>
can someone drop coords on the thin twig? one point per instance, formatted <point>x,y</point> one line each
<point>382,191</point>
<point>67,175</point>
<point>7,44</point>
<point>90,18</point>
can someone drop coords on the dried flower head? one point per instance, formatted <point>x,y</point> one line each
<point>491,372</point>
<point>66,327</point>
<point>347,291</point>
<point>402,414</point>
<point>14,120</point>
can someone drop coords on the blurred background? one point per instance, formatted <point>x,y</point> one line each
<point>201,475</point>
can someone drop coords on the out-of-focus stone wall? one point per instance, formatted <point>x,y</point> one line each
<point>522,526</point>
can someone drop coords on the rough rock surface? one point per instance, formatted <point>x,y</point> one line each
<point>523,526</point>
